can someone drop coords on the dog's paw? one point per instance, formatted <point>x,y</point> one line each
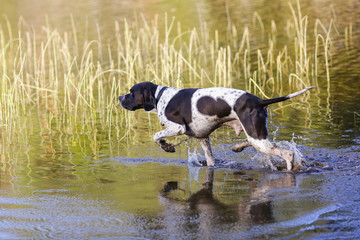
<point>236,148</point>
<point>168,147</point>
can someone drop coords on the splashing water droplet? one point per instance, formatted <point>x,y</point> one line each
<point>193,156</point>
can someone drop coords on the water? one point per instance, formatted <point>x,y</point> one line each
<point>165,198</point>
<point>90,186</point>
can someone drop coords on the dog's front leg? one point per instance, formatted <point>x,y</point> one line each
<point>205,144</point>
<point>171,131</point>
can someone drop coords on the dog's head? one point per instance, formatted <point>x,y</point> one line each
<point>142,95</point>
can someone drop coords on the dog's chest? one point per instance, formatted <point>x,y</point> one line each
<point>168,94</point>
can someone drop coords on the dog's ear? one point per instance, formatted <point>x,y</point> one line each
<point>149,100</point>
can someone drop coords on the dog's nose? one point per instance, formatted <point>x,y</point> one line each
<point>120,98</point>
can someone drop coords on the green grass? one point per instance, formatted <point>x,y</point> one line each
<point>70,82</point>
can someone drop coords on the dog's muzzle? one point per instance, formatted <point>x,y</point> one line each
<point>120,100</point>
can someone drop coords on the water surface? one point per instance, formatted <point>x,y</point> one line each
<point>90,185</point>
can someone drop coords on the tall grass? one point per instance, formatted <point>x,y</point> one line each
<point>70,82</point>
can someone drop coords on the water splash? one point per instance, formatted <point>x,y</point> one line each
<point>193,156</point>
<point>275,132</point>
<point>275,163</point>
<point>299,159</point>
<point>292,146</point>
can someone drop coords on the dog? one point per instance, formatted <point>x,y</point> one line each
<point>197,112</point>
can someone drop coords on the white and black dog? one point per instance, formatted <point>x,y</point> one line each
<point>197,112</point>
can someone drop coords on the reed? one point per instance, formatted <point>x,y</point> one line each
<point>70,82</point>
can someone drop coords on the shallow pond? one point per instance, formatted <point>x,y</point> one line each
<point>90,186</point>
<point>164,198</point>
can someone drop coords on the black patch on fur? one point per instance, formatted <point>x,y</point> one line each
<point>253,115</point>
<point>178,109</point>
<point>159,95</point>
<point>211,107</point>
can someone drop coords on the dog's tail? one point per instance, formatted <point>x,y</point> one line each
<point>280,99</point>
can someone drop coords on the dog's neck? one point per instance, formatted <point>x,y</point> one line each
<point>159,91</point>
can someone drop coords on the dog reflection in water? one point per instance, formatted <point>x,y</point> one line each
<point>208,210</point>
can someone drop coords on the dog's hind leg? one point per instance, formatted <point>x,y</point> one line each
<point>265,146</point>
<point>287,155</point>
<point>171,131</point>
<point>240,146</point>
<point>205,144</point>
